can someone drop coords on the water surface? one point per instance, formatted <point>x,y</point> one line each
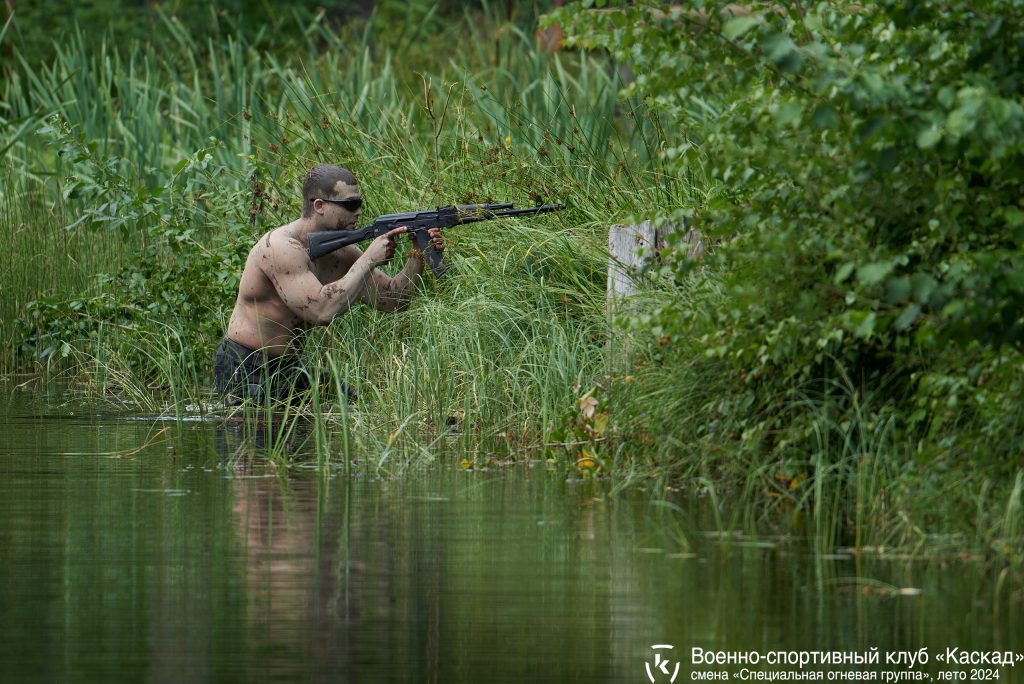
<point>186,560</point>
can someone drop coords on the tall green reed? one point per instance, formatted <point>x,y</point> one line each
<point>497,358</point>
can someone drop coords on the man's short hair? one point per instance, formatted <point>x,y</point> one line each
<point>319,183</point>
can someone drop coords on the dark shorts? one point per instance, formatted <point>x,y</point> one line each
<point>241,372</point>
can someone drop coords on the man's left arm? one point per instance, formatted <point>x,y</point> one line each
<point>393,293</point>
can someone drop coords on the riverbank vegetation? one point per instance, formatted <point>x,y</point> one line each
<point>844,361</point>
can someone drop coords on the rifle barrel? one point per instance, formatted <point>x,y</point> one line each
<point>484,207</point>
<point>529,210</point>
<point>507,210</point>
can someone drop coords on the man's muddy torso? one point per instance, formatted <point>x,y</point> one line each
<point>261,318</point>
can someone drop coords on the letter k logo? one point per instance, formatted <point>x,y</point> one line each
<point>661,665</point>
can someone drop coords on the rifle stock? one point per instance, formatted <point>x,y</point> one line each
<point>324,242</point>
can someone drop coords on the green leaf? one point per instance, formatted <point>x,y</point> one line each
<point>897,289</point>
<point>947,97</point>
<point>788,114</point>
<point>844,272</point>
<point>888,158</point>
<point>782,50</point>
<point>873,273</point>
<point>923,286</point>
<point>865,322</point>
<point>929,138</point>
<point>737,26</point>
<point>825,116</point>
<point>1014,217</point>
<point>961,121</point>
<point>907,318</point>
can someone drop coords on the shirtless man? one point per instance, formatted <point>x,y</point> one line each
<point>282,292</point>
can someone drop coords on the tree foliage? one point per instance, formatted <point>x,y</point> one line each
<point>869,165</point>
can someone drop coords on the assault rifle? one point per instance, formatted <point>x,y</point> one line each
<point>326,241</point>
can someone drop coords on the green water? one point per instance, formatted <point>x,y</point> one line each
<point>190,561</point>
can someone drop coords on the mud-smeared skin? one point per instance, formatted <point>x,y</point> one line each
<point>282,291</point>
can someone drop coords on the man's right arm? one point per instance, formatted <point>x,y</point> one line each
<point>287,266</point>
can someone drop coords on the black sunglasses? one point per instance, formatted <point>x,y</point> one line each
<point>349,204</point>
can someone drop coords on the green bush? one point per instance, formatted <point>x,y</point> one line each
<point>869,165</point>
<point>183,276</point>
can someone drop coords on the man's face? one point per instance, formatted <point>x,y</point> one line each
<point>337,216</point>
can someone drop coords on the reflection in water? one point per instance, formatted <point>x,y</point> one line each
<point>292,596</point>
<point>381,590</point>
<point>188,561</point>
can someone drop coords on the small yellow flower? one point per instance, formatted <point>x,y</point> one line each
<point>586,460</point>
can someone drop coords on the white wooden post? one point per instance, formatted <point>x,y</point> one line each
<point>631,249</point>
<point>625,244</point>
